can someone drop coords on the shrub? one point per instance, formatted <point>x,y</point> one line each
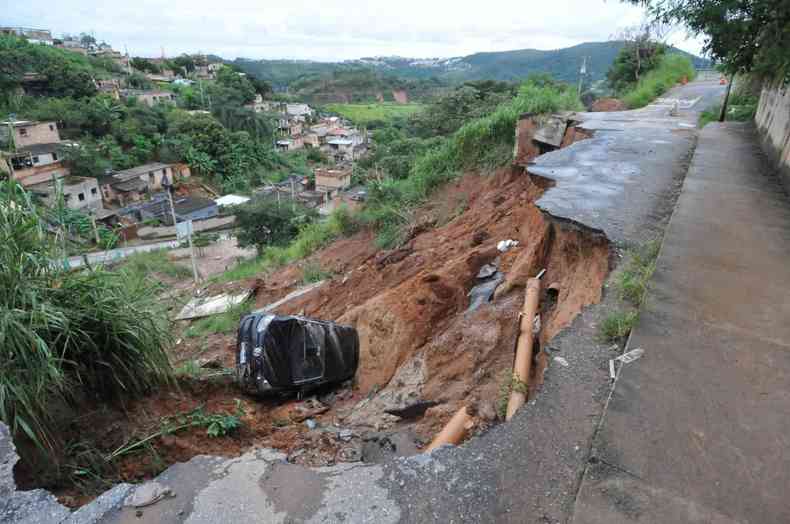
<point>64,334</point>
<point>618,325</point>
<point>670,70</point>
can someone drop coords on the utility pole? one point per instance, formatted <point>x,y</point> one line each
<point>723,113</point>
<point>168,186</point>
<point>293,196</point>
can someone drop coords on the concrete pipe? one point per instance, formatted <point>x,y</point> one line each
<point>523,365</point>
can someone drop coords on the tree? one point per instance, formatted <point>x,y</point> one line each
<point>265,222</point>
<point>87,40</point>
<point>745,35</point>
<point>641,52</point>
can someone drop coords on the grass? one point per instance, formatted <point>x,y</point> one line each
<point>481,144</point>
<point>67,334</point>
<point>312,272</point>
<point>670,71</point>
<point>311,237</point>
<point>367,114</point>
<point>143,265</point>
<point>633,281</point>
<point>618,324</point>
<point>741,108</point>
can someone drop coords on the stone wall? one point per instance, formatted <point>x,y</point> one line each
<point>773,123</point>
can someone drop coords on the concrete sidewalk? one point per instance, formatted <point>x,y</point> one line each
<point>698,430</point>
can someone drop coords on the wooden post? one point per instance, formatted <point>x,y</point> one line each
<point>723,114</point>
<point>523,364</point>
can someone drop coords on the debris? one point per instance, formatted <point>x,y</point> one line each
<point>486,271</point>
<point>204,307</point>
<point>349,454</point>
<point>455,431</point>
<point>148,494</point>
<point>414,410</point>
<point>504,245</point>
<point>612,373</point>
<point>482,293</point>
<point>210,363</point>
<point>561,361</point>
<point>345,435</point>
<point>634,354</point>
<point>290,296</point>
<point>551,130</point>
<point>311,424</point>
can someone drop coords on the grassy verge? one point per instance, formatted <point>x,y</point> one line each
<point>143,265</point>
<point>365,114</point>
<point>741,108</point>
<point>670,71</point>
<point>227,322</point>
<point>483,144</point>
<point>632,285</point>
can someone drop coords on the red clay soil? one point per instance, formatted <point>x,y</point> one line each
<point>603,105</point>
<point>409,307</point>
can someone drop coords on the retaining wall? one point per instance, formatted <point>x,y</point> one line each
<point>773,123</point>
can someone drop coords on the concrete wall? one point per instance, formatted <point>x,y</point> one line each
<point>773,123</point>
<point>39,133</point>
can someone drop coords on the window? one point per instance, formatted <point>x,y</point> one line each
<point>81,197</point>
<point>23,132</point>
<point>93,191</point>
<point>54,156</point>
<point>35,160</point>
<point>51,127</point>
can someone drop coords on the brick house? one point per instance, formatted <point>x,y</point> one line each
<point>132,185</point>
<point>32,152</point>
<point>332,180</point>
<point>80,193</point>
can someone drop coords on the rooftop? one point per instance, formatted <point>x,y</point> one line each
<point>190,204</point>
<point>139,170</point>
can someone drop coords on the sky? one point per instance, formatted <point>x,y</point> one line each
<point>333,31</point>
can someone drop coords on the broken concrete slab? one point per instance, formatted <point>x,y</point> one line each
<point>551,130</point>
<point>208,306</point>
<point>290,296</point>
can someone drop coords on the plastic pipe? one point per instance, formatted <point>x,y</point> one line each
<point>523,364</point>
<point>455,431</point>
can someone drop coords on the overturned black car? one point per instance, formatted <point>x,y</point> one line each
<point>291,353</point>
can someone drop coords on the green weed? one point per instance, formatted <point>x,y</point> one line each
<point>633,281</point>
<point>227,322</point>
<point>671,69</point>
<point>617,325</point>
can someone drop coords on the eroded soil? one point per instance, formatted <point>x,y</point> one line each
<point>419,344</point>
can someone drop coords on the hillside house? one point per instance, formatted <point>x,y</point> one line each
<point>150,98</point>
<point>32,151</point>
<point>186,208</point>
<point>34,36</point>
<point>133,185</point>
<point>80,193</point>
<point>298,110</point>
<point>332,180</point>
<point>290,144</point>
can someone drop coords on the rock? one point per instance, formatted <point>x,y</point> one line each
<point>345,435</point>
<point>479,237</point>
<point>414,410</point>
<point>311,424</point>
<point>487,411</point>
<point>486,271</point>
<point>148,494</point>
<point>210,363</point>
<point>482,293</point>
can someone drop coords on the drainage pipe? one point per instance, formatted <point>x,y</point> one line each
<point>455,431</point>
<point>523,364</point>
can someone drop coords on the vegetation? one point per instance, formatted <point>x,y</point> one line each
<point>67,334</point>
<point>266,222</point>
<point>618,324</point>
<point>483,143</point>
<point>374,114</point>
<point>146,265</point>
<point>312,272</point>
<point>640,54</point>
<point>227,322</point>
<point>744,35</point>
<point>671,69</point>
<point>741,106</point>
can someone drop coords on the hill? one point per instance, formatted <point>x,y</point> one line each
<point>563,64</point>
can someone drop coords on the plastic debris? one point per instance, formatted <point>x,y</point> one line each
<point>635,354</point>
<point>612,373</point>
<point>345,435</point>
<point>504,245</point>
<point>310,423</point>
<point>486,271</point>
<point>561,361</point>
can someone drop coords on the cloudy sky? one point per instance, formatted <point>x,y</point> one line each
<point>331,31</point>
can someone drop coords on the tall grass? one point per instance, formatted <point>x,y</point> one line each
<point>484,143</point>
<point>671,70</point>
<point>67,334</point>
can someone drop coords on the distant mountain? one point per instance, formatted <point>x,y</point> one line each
<point>562,64</point>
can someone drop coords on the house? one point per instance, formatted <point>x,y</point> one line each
<point>290,144</point>
<point>106,51</point>
<point>132,185</point>
<point>34,36</point>
<point>150,98</point>
<point>194,208</point>
<point>80,193</point>
<point>298,110</point>
<point>32,151</point>
<point>332,180</point>
<point>352,198</point>
<point>110,87</point>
